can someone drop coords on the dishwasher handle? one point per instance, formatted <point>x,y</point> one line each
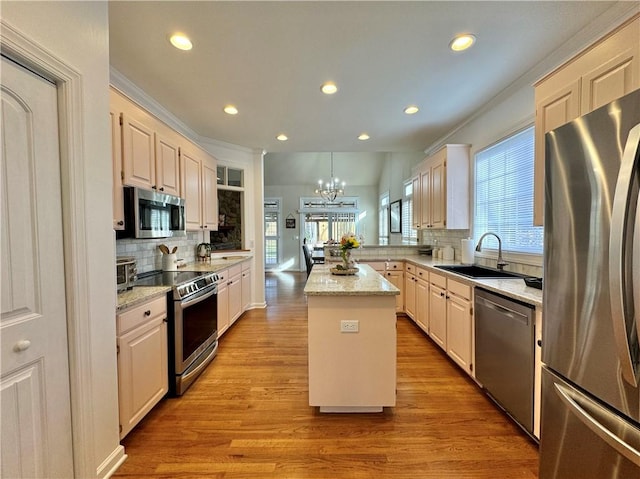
<point>502,310</point>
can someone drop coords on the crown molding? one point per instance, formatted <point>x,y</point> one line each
<point>591,33</point>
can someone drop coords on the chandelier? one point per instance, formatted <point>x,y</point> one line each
<point>331,189</point>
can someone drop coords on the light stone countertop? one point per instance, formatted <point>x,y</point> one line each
<point>511,287</point>
<point>140,294</point>
<point>367,282</point>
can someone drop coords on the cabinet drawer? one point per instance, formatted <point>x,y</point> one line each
<point>394,266</point>
<point>459,289</point>
<point>246,265</point>
<point>222,276</point>
<point>156,308</point>
<point>376,265</point>
<point>422,274</point>
<point>235,270</point>
<point>409,268</point>
<point>438,280</point>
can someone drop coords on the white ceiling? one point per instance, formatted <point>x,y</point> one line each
<point>270,58</point>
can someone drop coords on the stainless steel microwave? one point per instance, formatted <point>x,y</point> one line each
<point>150,214</point>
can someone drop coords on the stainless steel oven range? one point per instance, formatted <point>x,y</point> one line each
<point>193,323</point>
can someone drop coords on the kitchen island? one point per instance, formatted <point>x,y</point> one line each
<point>352,340</point>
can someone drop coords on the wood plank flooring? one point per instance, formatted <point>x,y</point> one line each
<point>248,416</point>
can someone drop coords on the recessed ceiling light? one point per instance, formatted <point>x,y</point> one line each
<point>363,136</point>
<point>462,42</point>
<point>411,109</point>
<point>282,137</point>
<point>329,88</point>
<point>231,110</point>
<point>181,41</point>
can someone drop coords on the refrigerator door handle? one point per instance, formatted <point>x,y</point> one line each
<point>601,421</point>
<point>620,261</point>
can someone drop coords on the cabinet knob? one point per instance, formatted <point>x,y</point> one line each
<point>539,342</point>
<point>162,188</point>
<point>22,345</point>
<point>147,312</point>
<point>154,187</point>
<point>120,223</point>
<point>441,293</point>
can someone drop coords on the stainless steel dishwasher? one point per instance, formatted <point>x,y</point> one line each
<point>505,353</point>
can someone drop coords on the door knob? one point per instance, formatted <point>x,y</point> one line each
<point>22,345</point>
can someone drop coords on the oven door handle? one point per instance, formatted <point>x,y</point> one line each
<point>195,300</point>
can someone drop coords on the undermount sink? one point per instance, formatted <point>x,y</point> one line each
<point>473,271</point>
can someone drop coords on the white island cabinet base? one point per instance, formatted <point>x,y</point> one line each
<point>352,371</point>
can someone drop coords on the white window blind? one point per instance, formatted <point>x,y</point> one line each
<point>409,235</point>
<point>504,195</point>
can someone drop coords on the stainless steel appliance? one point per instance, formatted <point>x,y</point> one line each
<point>126,272</point>
<point>193,323</point>
<point>505,336</point>
<point>151,214</point>
<point>591,306</point>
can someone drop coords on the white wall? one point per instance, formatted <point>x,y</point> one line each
<point>395,171</point>
<point>291,239</point>
<point>77,34</point>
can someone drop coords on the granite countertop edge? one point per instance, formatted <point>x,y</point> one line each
<point>140,294</point>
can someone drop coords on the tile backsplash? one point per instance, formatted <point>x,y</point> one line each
<point>453,238</point>
<point>149,257</point>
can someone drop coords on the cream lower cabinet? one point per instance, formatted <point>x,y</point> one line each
<point>422,304</point>
<point>607,70</point>
<point>451,318</point>
<point>410,291</point>
<point>459,324</point>
<point>246,285</point>
<point>143,377</point>
<point>438,309</point>
<point>395,275</point>
<point>229,297</point>
<point>235,293</point>
<point>223,302</point>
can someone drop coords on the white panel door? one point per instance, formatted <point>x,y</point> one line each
<point>36,414</point>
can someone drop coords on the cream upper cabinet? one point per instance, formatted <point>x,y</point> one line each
<point>199,190</point>
<point>149,151</point>
<point>416,210</point>
<point>167,147</point>
<point>603,72</point>
<point>443,195</point>
<point>116,157</point>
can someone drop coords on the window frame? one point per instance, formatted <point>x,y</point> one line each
<point>531,258</point>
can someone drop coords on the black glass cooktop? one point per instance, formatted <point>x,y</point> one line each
<point>166,278</point>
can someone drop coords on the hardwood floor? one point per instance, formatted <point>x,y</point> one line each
<point>248,416</point>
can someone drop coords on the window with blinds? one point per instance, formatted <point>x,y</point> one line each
<point>409,235</point>
<point>504,195</point>
<point>271,232</point>
<point>383,219</point>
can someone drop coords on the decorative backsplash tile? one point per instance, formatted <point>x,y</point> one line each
<point>149,257</point>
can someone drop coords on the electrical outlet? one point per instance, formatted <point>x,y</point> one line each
<point>349,326</point>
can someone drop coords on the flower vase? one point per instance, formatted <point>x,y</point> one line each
<point>346,259</point>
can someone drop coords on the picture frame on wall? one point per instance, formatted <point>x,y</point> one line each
<point>395,217</point>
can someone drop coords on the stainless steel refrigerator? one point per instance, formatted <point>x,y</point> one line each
<point>591,308</point>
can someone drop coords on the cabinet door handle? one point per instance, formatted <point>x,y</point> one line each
<point>147,312</point>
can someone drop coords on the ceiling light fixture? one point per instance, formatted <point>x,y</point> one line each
<point>329,88</point>
<point>231,110</point>
<point>462,42</point>
<point>282,137</point>
<point>363,137</point>
<point>330,190</point>
<point>181,41</point>
<point>411,110</point>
